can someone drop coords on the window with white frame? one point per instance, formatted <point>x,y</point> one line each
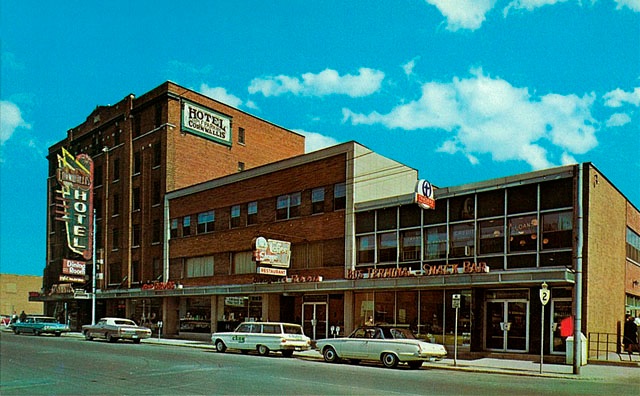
<point>288,206</point>
<point>206,221</point>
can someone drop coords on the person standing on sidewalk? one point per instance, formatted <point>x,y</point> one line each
<point>630,337</point>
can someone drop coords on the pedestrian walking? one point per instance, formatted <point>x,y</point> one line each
<point>630,336</point>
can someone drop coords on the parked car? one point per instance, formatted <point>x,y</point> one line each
<point>114,329</point>
<point>40,325</point>
<point>391,345</point>
<point>263,337</point>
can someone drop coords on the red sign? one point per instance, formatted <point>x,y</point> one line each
<point>73,267</point>
<point>159,286</point>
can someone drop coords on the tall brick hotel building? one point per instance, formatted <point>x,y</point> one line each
<point>207,216</point>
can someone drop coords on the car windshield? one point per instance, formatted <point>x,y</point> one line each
<point>125,322</point>
<point>289,329</point>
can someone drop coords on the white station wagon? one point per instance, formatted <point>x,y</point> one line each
<point>263,337</point>
<point>388,344</point>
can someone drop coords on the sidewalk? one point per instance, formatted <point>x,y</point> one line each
<point>613,370</point>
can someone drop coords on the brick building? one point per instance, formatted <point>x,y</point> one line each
<point>142,148</point>
<point>358,245</point>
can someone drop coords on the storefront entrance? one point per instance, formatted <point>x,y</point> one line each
<point>314,319</point>
<point>507,325</point>
<point>561,324</point>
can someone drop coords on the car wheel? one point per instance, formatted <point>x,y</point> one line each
<point>263,350</point>
<point>111,338</point>
<point>389,360</point>
<point>16,330</point>
<point>36,332</point>
<point>287,353</point>
<point>57,334</point>
<point>136,341</point>
<point>87,336</point>
<point>220,347</point>
<point>416,364</point>
<point>330,356</point>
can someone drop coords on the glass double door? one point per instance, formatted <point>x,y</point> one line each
<point>507,325</point>
<point>314,319</point>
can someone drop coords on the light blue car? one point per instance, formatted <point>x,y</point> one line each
<point>40,325</point>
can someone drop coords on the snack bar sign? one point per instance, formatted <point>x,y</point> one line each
<point>74,202</point>
<point>206,123</point>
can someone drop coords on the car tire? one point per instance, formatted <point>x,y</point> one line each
<point>263,350</point>
<point>87,336</point>
<point>111,338</point>
<point>36,332</point>
<point>57,334</point>
<point>330,356</point>
<point>389,360</point>
<point>220,346</point>
<point>16,331</point>
<point>136,341</point>
<point>287,353</point>
<point>415,364</point>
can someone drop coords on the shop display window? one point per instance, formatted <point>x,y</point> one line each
<point>431,320</point>
<point>384,308</point>
<point>407,309</point>
<point>363,308</point>
<point>462,240</point>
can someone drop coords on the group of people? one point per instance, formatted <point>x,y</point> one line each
<point>630,335</point>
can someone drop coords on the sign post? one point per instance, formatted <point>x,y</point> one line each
<point>455,303</point>
<point>545,296</point>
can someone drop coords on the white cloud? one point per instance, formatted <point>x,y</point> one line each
<point>220,94</point>
<point>314,141</point>
<point>409,66</point>
<point>487,115</point>
<point>327,82</point>
<point>618,97</point>
<point>633,5</point>
<point>530,5</point>
<point>10,120</point>
<point>463,14</point>
<point>618,119</point>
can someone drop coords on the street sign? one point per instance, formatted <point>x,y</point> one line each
<point>545,294</point>
<point>455,302</point>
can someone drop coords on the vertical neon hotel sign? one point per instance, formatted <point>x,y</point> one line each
<point>75,200</point>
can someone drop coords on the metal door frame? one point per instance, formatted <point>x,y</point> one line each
<point>505,316</point>
<point>315,319</point>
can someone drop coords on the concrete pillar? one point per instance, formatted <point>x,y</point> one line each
<point>271,307</point>
<point>349,324</point>
<point>170,315</point>
<point>216,312</point>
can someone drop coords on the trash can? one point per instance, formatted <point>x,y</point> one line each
<point>569,354</point>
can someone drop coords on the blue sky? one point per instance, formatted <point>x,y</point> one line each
<point>463,91</point>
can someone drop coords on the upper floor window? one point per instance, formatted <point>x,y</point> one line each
<point>235,216</point>
<point>156,231</point>
<point>157,154</point>
<point>137,163</point>
<point>243,263</point>
<point>557,230</point>
<point>317,200</point>
<point>156,193</point>
<point>288,206</point>
<point>240,166</point>
<point>136,198</point>
<point>199,266</point>
<point>206,221</point>
<point>339,196</point>
<point>136,235</point>
<point>135,272</point>
<point>174,228</point>
<point>633,245</point>
<point>523,233</point>
<point>97,175</point>
<point>186,226</point>
<point>462,240</point>
<point>241,136</point>
<point>116,205</point>
<point>116,169</point>
<point>491,236</point>
<point>252,213</point>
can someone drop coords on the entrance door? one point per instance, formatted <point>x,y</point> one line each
<point>314,319</point>
<point>507,326</point>
<point>561,324</point>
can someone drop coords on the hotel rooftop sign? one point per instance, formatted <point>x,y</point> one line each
<point>206,123</point>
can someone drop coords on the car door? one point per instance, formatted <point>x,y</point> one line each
<point>356,345</point>
<point>238,338</point>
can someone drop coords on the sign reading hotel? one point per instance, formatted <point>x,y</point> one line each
<point>74,203</point>
<point>272,256</point>
<point>424,195</point>
<point>206,123</point>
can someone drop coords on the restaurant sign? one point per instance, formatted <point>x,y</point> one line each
<point>272,252</point>
<point>74,203</point>
<point>206,123</point>
<point>73,267</point>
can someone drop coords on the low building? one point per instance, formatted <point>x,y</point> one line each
<point>15,291</point>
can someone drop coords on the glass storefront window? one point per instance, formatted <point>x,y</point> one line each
<point>410,245</point>
<point>523,233</point>
<point>431,313</point>
<point>435,242</point>
<point>407,309</point>
<point>385,308</point>
<point>387,247</point>
<point>363,308</point>
<point>366,249</point>
<point>557,230</point>
<point>462,240</point>
<point>491,236</point>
